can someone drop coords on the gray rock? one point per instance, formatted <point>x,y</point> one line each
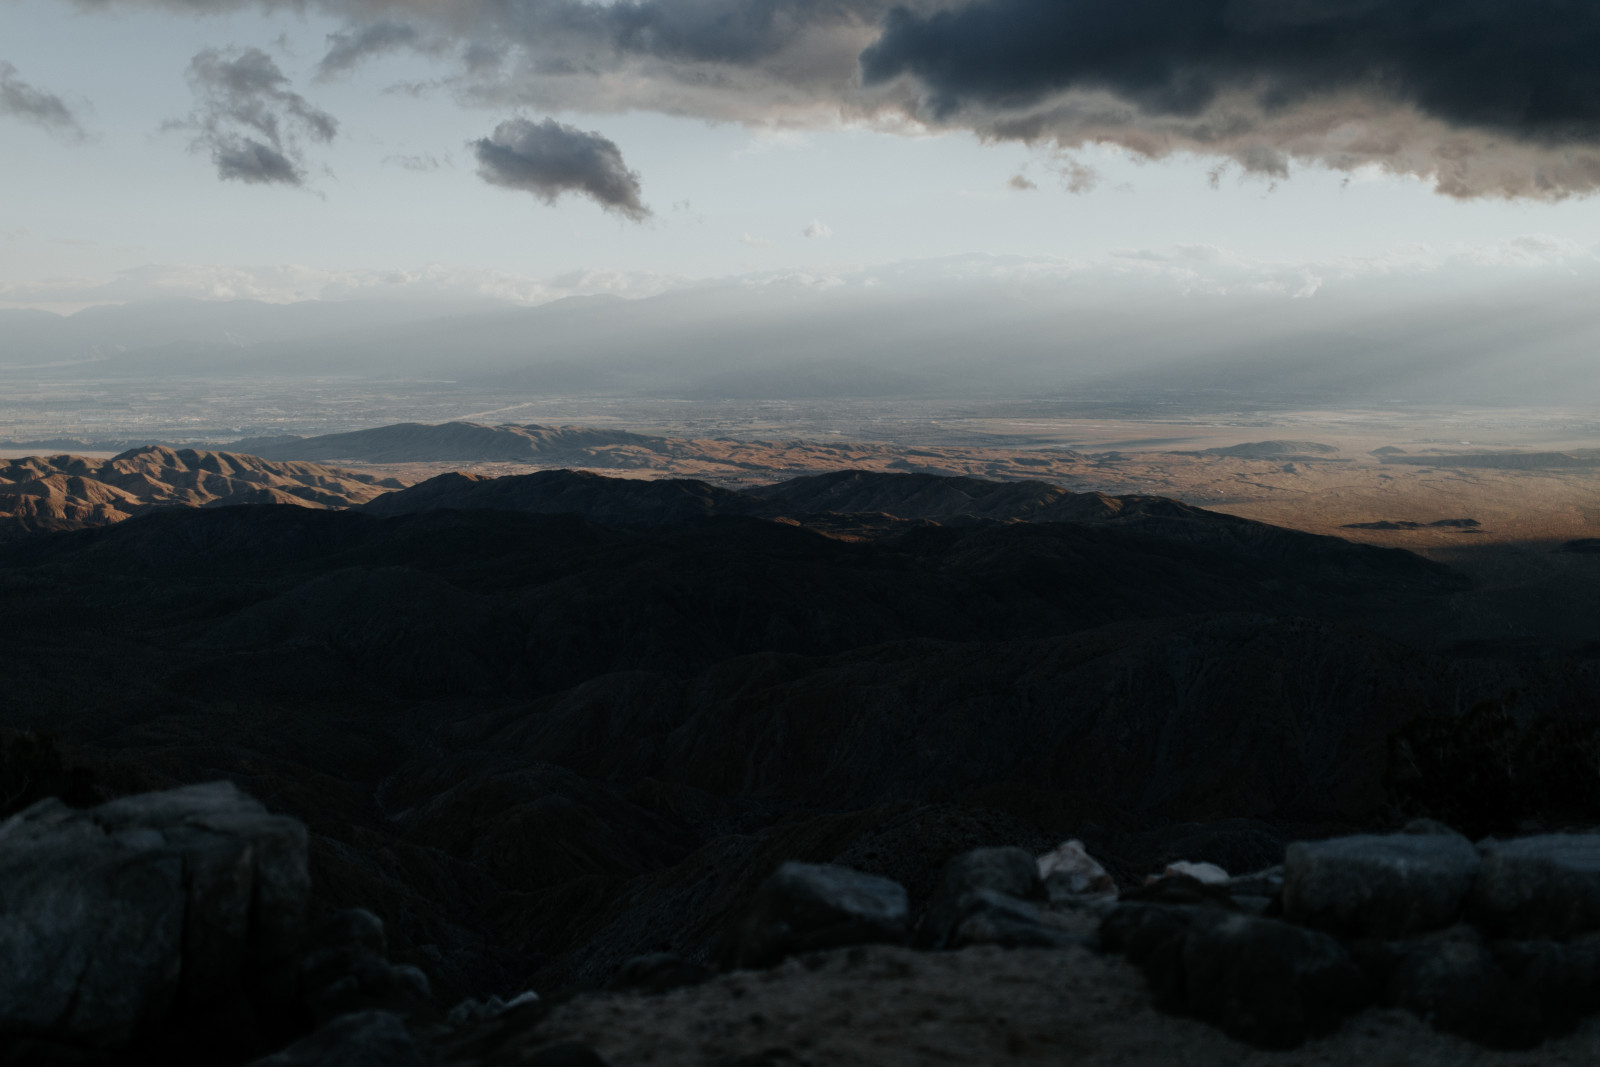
<point>992,918</point>
<point>1011,871</point>
<point>1263,981</point>
<point>1267,982</point>
<point>367,1039</point>
<point>1071,875</point>
<point>1451,980</point>
<point>477,1011</point>
<point>347,971</point>
<point>116,919</point>
<point>1562,977</point>
<point>1264,883</point>
<point>809,906</point>
<point>1546,886</point>
<point>1385,886</point>
<point>1152,936</point>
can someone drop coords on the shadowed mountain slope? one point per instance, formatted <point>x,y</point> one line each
<point>601,499</point>
<point>69,492</point>
<point>869,504</point>
<point>538,743</point>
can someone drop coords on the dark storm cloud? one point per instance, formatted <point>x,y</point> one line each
<point>1479,97</point>
<point>22,101</point>
<point>249,119</point>
<point>716,31</point>
<point>548,159</point>
<point>1527,68</point>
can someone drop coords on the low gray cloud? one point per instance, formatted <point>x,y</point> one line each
<point>550,158</point>
<point>22,101</point>
<point>248,118</point>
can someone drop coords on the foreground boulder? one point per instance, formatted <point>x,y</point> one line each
<point>992,918</point>
<point>149,913</point>
<point>347,970</point>
<point>1545,886</point>
<point>1379,886</point>
<point>1261,980</point>
<point>970,884</point>
<point>809,906</point>
<point>1452,980</point>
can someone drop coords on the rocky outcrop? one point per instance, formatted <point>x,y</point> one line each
<point>1523,965</point>
<point>1379,886</point>
<point>809,906</point>
<point>147,915</point>
<point>173,926</point>
<point>1264,981</point>
<point>1544,886</point>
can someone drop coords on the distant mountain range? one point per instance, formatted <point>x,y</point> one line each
<point>68,492</point>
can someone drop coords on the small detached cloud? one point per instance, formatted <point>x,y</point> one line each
<point>754,242</point>
<point>1021,182</point>
<point>1077,178</point>
<point>549,159</point>
<point>817,228</point>
<point>249,119</point>
<point>419,162</point>
<point>22,101</point>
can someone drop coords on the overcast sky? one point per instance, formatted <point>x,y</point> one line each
<point>526,149</point>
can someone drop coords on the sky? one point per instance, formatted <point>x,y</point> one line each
<point>529,149</point>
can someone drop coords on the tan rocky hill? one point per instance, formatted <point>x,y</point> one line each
<point>70,492</point>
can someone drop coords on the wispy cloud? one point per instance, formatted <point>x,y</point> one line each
<point>248,118</point>
<point>817,228</point>
<point>20,100</point>
<point>419,161</point>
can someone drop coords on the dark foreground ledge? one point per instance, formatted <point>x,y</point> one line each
<point>173,927</point>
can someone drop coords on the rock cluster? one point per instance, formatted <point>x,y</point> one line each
<point>1498,942</point>
<point>147,915</point>
<point>175,926</point>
